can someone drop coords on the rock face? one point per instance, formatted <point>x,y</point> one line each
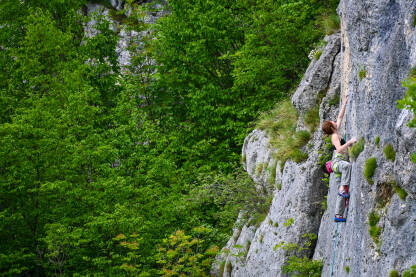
<point>256,152</point>
<point>94,10</point>
<point>317,76</point>
<point>126,36</point>
<point>368,59</point>
<point>378,38</point>
<point>117,4</point>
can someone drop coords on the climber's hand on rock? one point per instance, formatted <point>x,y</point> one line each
<point>352,141</point>
<point>346,98</point>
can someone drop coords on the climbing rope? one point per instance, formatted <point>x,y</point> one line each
<point>335,246</point>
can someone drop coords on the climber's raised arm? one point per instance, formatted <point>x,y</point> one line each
<point>342,111</point>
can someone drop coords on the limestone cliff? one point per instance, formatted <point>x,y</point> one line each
<point>368,59</point>
<point>126,35</point>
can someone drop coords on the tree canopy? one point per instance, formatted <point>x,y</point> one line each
<point>108,172</point>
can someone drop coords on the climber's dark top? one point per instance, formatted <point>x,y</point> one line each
<point>342,141</point>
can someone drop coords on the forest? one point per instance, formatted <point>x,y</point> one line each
<point>111,171</point>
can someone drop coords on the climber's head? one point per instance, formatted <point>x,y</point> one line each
<point>329,127</point>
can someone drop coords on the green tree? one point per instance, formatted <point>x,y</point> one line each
<point>181,254</point>
<point>97,168</point>
<point>276,47</point>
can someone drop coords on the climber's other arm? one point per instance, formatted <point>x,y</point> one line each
<point>341,148</point>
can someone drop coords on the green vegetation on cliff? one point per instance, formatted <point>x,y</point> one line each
<point>280,124</point>
<point>369,169</point>
<point>409,101</point>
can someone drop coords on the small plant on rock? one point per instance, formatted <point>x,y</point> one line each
<point>369,169</point>
<point>385,191</point>
<point>247,248</point>
<point>409,100</point>
<point>373,218</point>
<point>272,173</point>
<point>318,54</point>
<point>400,192</point>
<point>330,23</point>
<point>357,148</point>
<point>311,118</point>
<point>257,219</point>
<point>413,157</point>
<point>389,152</point>
<point>374,230</point>
<point>377,141</point>
<point>411,272</point>
<point>238,233</point>
<point>334,100</point>
<point>289,222</point>
<point>259,169</point>
<point>394,273</point>
<point>362,74</point>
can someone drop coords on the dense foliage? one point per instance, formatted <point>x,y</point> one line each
<point>108,174</point>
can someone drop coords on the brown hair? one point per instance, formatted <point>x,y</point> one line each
<point>328,128</point>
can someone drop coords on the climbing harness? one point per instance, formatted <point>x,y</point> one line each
<point>328,166</point>
<point>335,247</point>
<point>337,158</point>
<point>332,167</point>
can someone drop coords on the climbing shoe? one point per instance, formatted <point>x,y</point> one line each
<point>339,219</point>
<point>344,194</point>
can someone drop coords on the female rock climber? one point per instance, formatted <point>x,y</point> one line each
<point>340,165</point>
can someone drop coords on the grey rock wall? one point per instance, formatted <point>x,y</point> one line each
<point>94,10</point>
<point>117,4</point>
<point>377,37</point>
<point>258,160</point>
<point>126,36</point>
<point>317,76</point>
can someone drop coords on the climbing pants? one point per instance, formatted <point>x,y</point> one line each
<point>343,176</point>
